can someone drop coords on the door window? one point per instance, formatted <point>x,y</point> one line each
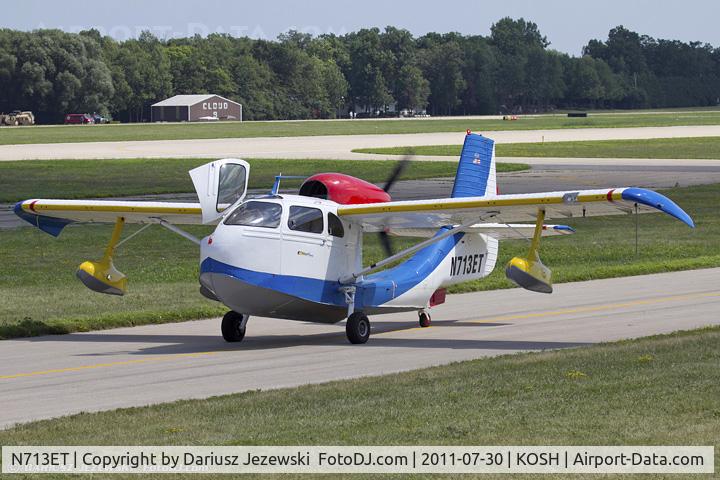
<point>305,219</point>
<point>231,185</point>
<point>256,214</point>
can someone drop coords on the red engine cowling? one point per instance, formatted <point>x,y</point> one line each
<point>343,189</point>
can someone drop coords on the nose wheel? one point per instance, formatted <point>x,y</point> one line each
<point>357,328</point>
<point>233,326</point>
<point>424,319</point>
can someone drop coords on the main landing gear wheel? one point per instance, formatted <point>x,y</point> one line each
<point>357,328</point>
<point>233,326</point>
<point>424,319</point>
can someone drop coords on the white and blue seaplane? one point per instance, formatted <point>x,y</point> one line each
<point>299,257</point>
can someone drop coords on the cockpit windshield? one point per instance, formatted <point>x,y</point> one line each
<point>256,214</point>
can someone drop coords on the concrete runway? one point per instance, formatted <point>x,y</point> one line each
<point>340,146</point>
<point>56,375</point>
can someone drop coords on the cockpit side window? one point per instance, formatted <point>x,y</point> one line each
<point>256,214</point>
<point>305,219</point>
<point>335,226</point>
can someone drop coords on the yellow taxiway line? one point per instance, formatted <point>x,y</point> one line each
<point>109,364</point>
<point>567,311</point>
<point>599,308</point>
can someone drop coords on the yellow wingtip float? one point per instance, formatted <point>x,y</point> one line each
<point>102,276</point>
<point>530,273</point>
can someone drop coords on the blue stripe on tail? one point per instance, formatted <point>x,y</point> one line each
<point>475,168</point>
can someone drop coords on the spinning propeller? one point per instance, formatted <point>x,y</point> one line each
<point>394,176</point>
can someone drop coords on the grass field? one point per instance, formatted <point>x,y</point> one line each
<point>178,131</point>
<point>701,147</point>
<point>124,177</point>
<point>39,294</point>
<point>660,390</point>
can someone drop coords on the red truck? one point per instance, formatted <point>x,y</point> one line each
<point>78,119</point>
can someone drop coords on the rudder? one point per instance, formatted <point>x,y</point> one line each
<point>475,175</point>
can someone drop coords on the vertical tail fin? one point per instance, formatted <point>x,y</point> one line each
<point>461,257</point>
<point>475,175</point>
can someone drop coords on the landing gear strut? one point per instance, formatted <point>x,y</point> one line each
<point>357,328</point>
<point>233,326</point>
<point>424,319</point>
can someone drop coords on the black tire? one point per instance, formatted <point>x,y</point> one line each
<point>424,319</point>
<point>357,328</point>
<point>233,327</point>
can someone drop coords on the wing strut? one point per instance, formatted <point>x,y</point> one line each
<point>179,231</point>
<point>102,276</point>
<point>530,273</point>
<point>382,263</point>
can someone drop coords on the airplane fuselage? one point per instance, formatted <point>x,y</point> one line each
<point>283,257</point>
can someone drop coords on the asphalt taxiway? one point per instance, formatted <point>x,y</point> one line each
<point>50,376</point>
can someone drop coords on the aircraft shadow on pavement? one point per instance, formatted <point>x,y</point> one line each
<point>188,344</point>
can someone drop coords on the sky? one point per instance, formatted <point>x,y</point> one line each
<point>568,24</point>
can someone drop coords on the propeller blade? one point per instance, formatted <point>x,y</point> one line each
<point>386,243</point>
<point>397,171</point>
<point>394,176</point>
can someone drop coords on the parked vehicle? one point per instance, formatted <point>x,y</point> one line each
<point>99,119</point>
<point>79,119</point>
<point>24,118</point>
<point>17,117</point>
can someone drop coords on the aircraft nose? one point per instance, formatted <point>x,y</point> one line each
<point>206,246</point>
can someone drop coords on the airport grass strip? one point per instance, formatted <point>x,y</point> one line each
<point>187,131</point>
<point>125,177</point>
<point>684,148</point>
<point>660,390</point>
<point>39,293</point>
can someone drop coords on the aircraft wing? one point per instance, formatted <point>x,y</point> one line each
<point>436,213</point>
<point>500,231</point>
<point>218,184</point>
<point>52,216</point>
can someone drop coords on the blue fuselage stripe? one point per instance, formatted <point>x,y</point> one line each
<point>373,291</point>
<point>382,287</point>
<point>315,290</point>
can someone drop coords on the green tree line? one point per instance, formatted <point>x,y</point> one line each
<point>513,70</point>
